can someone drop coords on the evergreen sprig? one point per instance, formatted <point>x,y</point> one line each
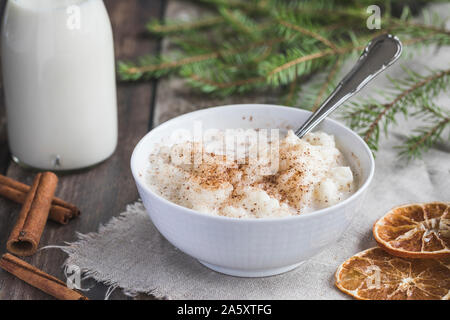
<point>437,120</point>
<point>175,27</point>
<point>240,46</point>
<point>410,96</point>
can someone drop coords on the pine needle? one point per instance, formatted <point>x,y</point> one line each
<point>248,46</point>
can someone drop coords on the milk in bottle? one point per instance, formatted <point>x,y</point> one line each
<point>59,82</point>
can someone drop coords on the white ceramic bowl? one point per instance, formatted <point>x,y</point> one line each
<point>252,247</point>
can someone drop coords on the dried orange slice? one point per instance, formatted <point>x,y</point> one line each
<point>374,274</point>
<point>415,231</point>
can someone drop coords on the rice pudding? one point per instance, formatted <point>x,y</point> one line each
<point>249,174</point>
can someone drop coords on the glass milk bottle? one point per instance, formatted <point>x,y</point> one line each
<point>59,83</point>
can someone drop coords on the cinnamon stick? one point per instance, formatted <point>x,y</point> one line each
<point>26,234</point>
<point>38,278</point>
<point>61,211</point>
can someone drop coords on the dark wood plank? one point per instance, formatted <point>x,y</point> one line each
<point>104,191</point>
<point>4,151</point>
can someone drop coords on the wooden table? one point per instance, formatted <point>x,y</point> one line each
<point>101,192</point>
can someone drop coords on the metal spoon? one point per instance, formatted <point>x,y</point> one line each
<point>379,54</point>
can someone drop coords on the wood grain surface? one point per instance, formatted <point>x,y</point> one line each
<point>105,190</point>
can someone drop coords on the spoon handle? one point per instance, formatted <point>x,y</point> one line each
<point>379,54</point>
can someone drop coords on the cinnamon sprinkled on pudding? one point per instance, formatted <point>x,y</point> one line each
<point>252,178</point>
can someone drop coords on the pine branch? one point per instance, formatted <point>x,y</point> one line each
<point>310,33</point>
<point>284,68</point>
<point>371,115</point>
<point>156,67</point>
<point>425,137</point>
<point>250,5</point>
<point>243,46</point>
<point>276,68</point>
<point>172,27</point>
<point>240,22</point>
<point>404,96</point>
<point>224,88</point>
